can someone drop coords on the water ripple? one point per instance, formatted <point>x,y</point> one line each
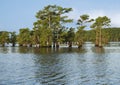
<point>88,66</point>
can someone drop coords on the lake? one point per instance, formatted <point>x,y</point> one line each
<point>63,66</point>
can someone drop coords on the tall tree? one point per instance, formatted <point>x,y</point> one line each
<point>99,24</point>
<point>24,37</point>
<point>13,39</point>
<point>82,23</point>
<point>4,37</point>
<point>70,36</point>
<point>51,18</point>
<point>62,38</point>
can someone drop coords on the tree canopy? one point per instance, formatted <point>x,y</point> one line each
<point>50,30</point>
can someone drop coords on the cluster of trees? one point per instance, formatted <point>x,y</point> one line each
<point>8,37</point>
<point>49,30</point>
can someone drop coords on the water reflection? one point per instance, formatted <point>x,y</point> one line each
<point>57,67</point>
<point>4,50</point>
<point>24,50</point>
<point>100,66</point>
<point>42,50</point>
<point>49,71</point>
<point>61,66</point>
<point>48,51</point>
<point>14,49</point>
<point>98,50</point>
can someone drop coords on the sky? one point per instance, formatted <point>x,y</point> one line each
<point>16,14</point>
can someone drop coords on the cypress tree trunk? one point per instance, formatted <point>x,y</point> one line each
<point>3,45</point>
<point>70,44</point>
<point>13,44</point>
<point>79,44</point>
<point>20,45</point>
<point>53,44</point>
<point>100,38</point>
<point>30,45</point>
<point>49,43</point>
<point>97,39</point>
<point>57,44</point>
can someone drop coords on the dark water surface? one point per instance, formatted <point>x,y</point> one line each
<point>63,66</point>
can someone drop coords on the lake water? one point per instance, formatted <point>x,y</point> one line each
<point>64,66</point>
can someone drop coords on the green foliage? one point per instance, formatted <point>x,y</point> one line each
<point>89,35</point>
<point>62,35</point>
<point>4,37</point>
<point>13,38</point>
<point>24,37</point>
<point>101,22</point>
<point>114,34</point>
<point>70,35</point>
<point>49,24</point>
<point>79,37</point>
<point>80,34</point>
<point>83,20</point>
<point>50,28</point>
<point>98,25</point>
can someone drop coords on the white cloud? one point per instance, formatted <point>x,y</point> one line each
<point>115,19</point>
<point>114,16</point>
<point>95,13</point>
<point>74,14</point>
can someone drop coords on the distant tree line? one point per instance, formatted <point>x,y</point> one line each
<point>49,30</point>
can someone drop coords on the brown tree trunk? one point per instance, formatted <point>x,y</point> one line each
<point>53,44</point>
<point>30,45</point>
<point>13,45</point>
<point>100,38</point>
<point>80,44</point>
<point>3,45</point>
<point>57,44</point>
<point>70,44</point>
<point>97,39</point>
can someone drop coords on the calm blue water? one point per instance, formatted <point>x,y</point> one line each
<point>63,66</point>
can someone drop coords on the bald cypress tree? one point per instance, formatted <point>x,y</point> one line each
<point>98,25</point>
<point>50,20</point>
<point>82,24</point>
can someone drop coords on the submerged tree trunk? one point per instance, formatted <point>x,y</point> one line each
<point>53,44</point>
<point>30,45</point>
<point>49,43</point>
<point>20,45</point>
<point>100,38</point>
<point>25,45</point>
<point>57,44</point>
<point>70,44</point>
<point>97,39</point>
<point>13,44</point>
<point>80,44</point>
<point>3,45</point>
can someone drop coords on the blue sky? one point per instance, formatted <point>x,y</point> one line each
<point>16,14</point>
